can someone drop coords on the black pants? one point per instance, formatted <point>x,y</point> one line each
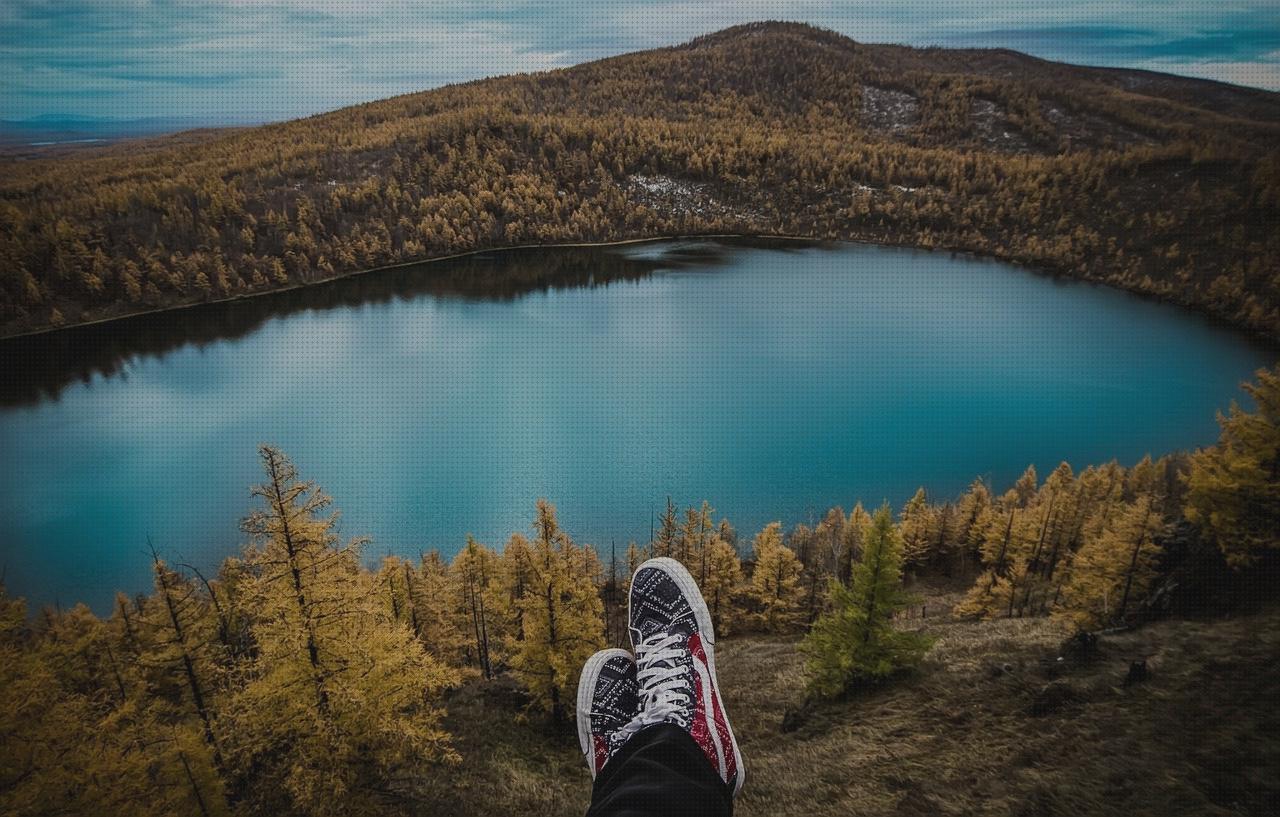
<point>660,772</point>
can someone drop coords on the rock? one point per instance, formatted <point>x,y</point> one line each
<point>1081,648</point>
<point>997,670</point>
<point>1138,673</point>
<point>1052,698</point>
<point>794,717</point>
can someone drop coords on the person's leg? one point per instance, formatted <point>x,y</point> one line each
<point>653,727</point>
<point>675,649</point>
<point>660,772</point>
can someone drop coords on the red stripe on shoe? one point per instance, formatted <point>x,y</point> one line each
<point>601,752</point>
<point>718,745</point>
<point>726,740</point>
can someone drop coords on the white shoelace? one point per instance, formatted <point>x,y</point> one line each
<point>664,686</point>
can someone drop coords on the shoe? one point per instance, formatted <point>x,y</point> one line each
<point>675,649</point>
<point>608,699</point>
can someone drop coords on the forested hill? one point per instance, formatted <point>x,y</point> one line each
<point>1154,183</point>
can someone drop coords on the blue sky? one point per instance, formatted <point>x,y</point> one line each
<point>256,60</point>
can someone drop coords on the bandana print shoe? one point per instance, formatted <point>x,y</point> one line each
<point>608,699</point>
<point>676,663</point>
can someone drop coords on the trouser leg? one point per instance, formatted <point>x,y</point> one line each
<point>660,772</point>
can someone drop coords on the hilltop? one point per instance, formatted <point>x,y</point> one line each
<point>1157,184</point>
<point>1003,718</point>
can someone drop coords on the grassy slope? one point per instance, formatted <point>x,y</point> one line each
<point>959,738</point>
<point>1157,184</point>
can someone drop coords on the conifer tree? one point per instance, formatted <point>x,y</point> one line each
<point>515,577</point>
<point>561,613</point>
<point>973,515</point>
<point>855,532</point>
<point>1114,569</point>
<point>855,640</point>
<point>1234,487</point>
<point>915,531</point>
<point>471,575</point>
<point>1025,488</point>
<point>724,577</point>
<point>705,531</point>
<point>335,713</point>
<point>181,639</point>
<point>776,590</point>
<point>439,628</point>
<point>668,538</point>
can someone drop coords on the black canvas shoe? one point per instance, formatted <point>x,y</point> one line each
<point>676,664</point>
<point>608,699</point>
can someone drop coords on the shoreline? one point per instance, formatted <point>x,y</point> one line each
<point>48,330</point>
<point>1255,335</point>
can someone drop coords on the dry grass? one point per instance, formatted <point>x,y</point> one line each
<point>959,737</point>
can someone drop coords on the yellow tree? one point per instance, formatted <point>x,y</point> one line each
<point>439,628</point>
<point>81,734</point>
<point>776,590</point>
<point>855,532</point>
<point>515,577</point>
<point>471,574</point>
<point>724,577</point>
<point>561,615</point>
<point>1114,569</point>
<point>181,641</point>
<point>915,526</point>
<point>336,713</point>
<point>1234,487</point>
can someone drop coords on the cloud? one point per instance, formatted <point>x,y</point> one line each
<point>271,59</point>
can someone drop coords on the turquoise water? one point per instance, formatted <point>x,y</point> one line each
<point>773,381</point>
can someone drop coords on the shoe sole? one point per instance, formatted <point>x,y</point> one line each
<point>586,690</point>
<point>685,581</point>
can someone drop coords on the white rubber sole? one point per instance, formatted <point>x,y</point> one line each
<point>586,689</point>
<point>685,581</point>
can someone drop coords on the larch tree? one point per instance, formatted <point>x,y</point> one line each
<point>667,541</point>
<point>914,524</point>
<point>706,532</point>
<point>81,734</point>
<point>1234,487</point>
<point>471,573</point>
<point>181,637</point>
<point>855,532</point>
<point>776,590</point>
<point>440,630</point>
<point>856,640</point>
<point>562,616</point>
<point>515,577</point>
<point>1113,570</point>
<point>973,514</point>
<point>337,712</point>
<point>1002,543</point>
<point>724,577</point>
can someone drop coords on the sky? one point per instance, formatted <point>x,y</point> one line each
<point>228,61</point>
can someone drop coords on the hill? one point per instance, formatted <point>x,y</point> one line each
<point>1000,720</point>
<point>1157,184</point>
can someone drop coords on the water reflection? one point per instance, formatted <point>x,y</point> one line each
<point>39,367</point>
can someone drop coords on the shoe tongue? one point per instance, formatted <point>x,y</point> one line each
<point>644,625</point>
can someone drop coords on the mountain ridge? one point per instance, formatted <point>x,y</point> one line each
<point>1157,184</point>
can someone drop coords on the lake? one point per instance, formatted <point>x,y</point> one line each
<point>772,379</point>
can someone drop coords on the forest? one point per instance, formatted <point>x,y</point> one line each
<point>1159,185</point>
<point>300,678</point>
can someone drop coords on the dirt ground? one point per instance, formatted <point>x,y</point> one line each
<point>998,721</point>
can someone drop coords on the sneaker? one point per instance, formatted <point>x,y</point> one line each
<point>608,699</point>
<point>675,650</point>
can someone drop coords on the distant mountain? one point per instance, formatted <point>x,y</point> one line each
<point>70,127</point>
<point>1158,184</point>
